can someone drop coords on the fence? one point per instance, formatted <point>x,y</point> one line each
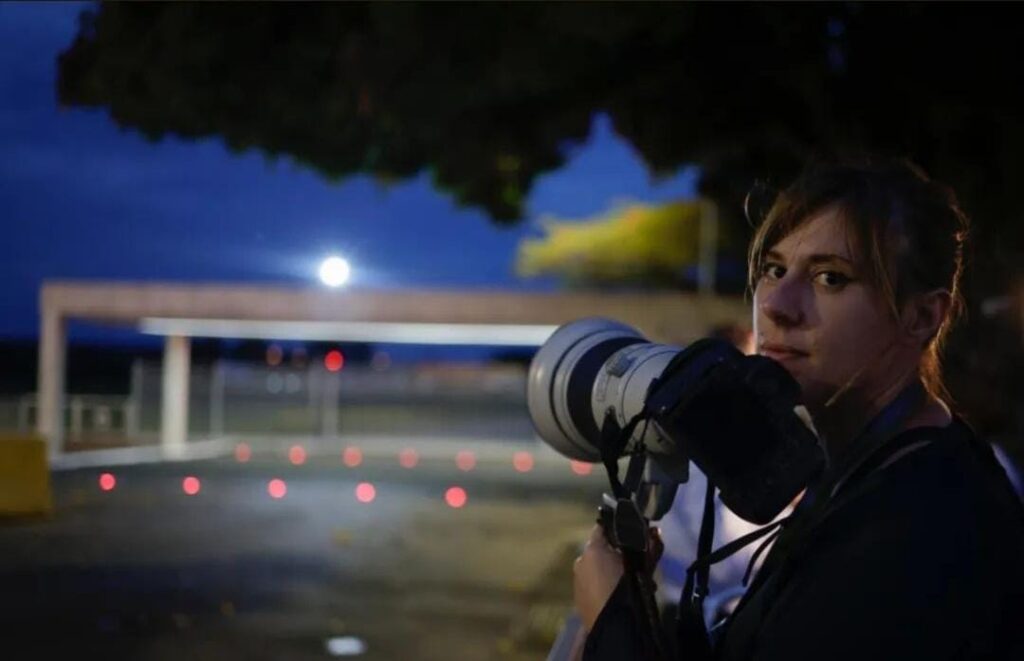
<point>232,397</point>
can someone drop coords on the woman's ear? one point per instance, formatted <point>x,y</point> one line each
<point>923,315</point>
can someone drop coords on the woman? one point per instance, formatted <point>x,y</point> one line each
<point>911,546</point>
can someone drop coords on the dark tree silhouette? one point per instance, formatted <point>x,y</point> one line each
<point>486,96</point>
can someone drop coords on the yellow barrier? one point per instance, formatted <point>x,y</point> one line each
<point>24,476</point>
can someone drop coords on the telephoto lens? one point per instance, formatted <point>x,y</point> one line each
<point>585,367</point>
<point>736,417</point>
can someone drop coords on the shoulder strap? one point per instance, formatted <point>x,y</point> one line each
<point>871,449</point>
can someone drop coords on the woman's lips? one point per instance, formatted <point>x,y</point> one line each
<point>782,353</point>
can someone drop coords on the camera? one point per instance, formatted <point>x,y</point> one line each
<point>736,417</point>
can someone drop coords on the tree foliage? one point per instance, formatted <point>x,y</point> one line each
<point>634,245</point>
<point>486,96</point>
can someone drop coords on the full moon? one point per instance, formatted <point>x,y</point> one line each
<point>334,271</point>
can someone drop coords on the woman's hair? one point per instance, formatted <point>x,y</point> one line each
<point>908,231</point>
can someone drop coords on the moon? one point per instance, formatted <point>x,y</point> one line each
<point>334,271</point>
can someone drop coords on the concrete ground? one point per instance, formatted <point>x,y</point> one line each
<point>145,571</point>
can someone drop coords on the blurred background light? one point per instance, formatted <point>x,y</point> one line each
<point>345,646</point>
<point>277,488</point>
<point>455,497</point>
<point>522,461</point>
<point>243,453</point>
<point>465,460</point>
<point>352,456</point>
<point>190,485</point>
<point>365,492</point>
<point>581,467</point>
<point>334,361</point>
<point>408,458</point>
<point>334,271</point>
<point>107,482</point>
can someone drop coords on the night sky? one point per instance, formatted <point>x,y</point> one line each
<point>81,198</point>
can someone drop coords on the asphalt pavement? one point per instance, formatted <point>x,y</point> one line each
<point>278,548</point>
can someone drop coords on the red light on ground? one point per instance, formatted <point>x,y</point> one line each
<point>297,455</point>
<point>243,453</point>
<point>455,497</point>
<point>334,361</point>
<point>277,488</point>
<point>581,467</point>
<point>408,458</point>
<point>107,482</point>
<point>352,457</point>
<point>190,485</point>
<point>465,460</point>
<point>522,461</point>
<point>365,493</point>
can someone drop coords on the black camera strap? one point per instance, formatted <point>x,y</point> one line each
<point>840,483</point>
<point>626,529</point>
<point>691,634</point>
<point>691,630</point>
<point>614,440</point>
<point>864,455</point>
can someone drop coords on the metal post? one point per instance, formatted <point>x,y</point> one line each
<point>101,417</point>
<point>314,405</point>
<point>331,386</point>
<point>52,356</point>
<point>174,408</point>
<point>133,405</point>
<point>25,404</point>
<point>217,399</point>
<point>77,408</point>
<point>708,254</point>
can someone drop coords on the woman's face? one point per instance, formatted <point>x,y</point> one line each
<point>816,312</point>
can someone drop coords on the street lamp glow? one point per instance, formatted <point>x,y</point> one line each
<point>334,271</point>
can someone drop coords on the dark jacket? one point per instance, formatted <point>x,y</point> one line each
<point>925,560</point>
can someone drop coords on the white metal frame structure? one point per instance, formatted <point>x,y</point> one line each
<point>182,311</point>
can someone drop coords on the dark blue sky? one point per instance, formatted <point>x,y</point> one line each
<point>80,198</point>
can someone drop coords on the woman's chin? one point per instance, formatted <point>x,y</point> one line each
<point>813,395</point>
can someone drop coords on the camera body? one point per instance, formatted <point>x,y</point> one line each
<point>734,416</point>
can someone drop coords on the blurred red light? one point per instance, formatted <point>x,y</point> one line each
<point>297,455</point>
<point>107,482</point>
<point>522,461</point>
<point>465,460</point>
<point>581,467</point>
<point>365,493</point>
<point>352,457</point>
<point>334,361</point>
<point>455,497</point>
<point>243,453</point>
<point>277,488</point>
<point>190,485</point>
<point>408,458</point>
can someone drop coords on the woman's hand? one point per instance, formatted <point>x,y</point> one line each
<point>598,570</point>
<point>596,573</point>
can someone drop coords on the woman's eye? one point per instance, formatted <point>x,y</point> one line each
<point>772,271</point>
<point>832,279</point>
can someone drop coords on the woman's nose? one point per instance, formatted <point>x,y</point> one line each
<point>783,304</point>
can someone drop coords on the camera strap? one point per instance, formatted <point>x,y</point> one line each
<point>863,454</point>
<point>840,483</point>
<point>691,632</point>
<point>627,529</point>
<point>813,507</point>
<point>613,442</point>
